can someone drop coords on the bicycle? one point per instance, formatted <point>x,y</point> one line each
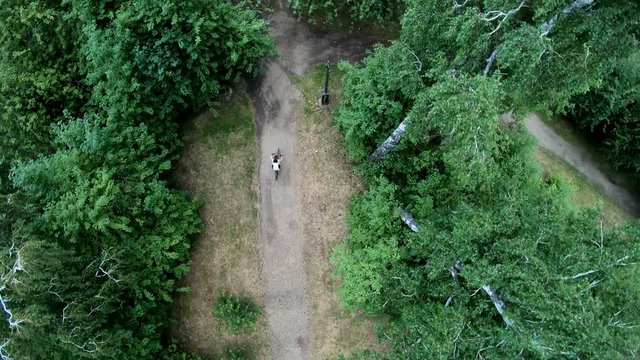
<point>276,159</point>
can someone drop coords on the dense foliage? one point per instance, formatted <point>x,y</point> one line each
<point>358,10</point>
<point>611,111</point>
<point>40,77</point>
<point>502,264</point>
<point>94,238</point>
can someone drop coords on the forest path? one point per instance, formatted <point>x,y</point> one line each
<point>275,101</point>
<point>579,159</point>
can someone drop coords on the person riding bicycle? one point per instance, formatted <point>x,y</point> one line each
<point>275,161</point>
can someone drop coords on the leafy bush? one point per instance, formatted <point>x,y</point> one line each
<point>237,314</point>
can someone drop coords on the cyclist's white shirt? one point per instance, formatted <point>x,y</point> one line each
<point>276,166</point>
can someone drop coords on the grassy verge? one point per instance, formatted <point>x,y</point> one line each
<point>573,135</point>
<point>329,183</point>
<point>218,167</point>
<point>584,194</point>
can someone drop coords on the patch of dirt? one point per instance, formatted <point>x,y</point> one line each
<point>227,255</point>
<point>329,183</point>
<point>275,102</point>
<point>579,159</point>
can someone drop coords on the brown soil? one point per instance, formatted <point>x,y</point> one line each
<point>276,104</point>
<point>329,183</point>
<point>227,254</point>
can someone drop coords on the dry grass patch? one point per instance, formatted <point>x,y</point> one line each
<point>584,193</point>
<point>328,185</point>
<point>218,167</point>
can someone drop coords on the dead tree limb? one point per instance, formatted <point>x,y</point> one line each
<point>13,324</point>
<point>409,220</point>
<point>457,5</point>
<point>455,270</point>
<point>490,61</point>
<point>548,25</point>
<point>417,63</point>
<point>498,303</point>
<point>101,272</point>
<point>4,356</point>
<point>577,276</point>
<point>391,141</point>
<point>493,15</point>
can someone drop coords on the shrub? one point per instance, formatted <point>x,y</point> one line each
<point>237,314</point>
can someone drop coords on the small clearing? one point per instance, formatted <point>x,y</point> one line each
<point>580,159</point>
<point>329,184</point>
<point>218,167</point>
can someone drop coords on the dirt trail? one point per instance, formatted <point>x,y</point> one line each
<point>578,158</point>
<point>275,101</point>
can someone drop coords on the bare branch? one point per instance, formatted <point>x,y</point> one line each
<point>476,292</point>
<point>621,262</point>
<point>593,284</point>
<point>457,5</point>
<point>65,309</point>
<point>601,233</point>
<point>493,15</point>
<point>93,309</point>
<point>4,356</point>
<point>613,322</point>
<point>417,63</point>
<point>577,276</point>
<point>455,270</point>
<point>51,285</point>
<point>101,272</point>
<point>13,324</point>
<point>88,347</point>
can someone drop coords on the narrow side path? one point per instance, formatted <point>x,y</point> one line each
<point>579,159</point>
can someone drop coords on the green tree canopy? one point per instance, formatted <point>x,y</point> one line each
<point>119,235</point>
<point>502,264</point>
<point>94,236</point>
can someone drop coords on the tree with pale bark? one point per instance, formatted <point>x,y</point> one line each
<point>460,241</point>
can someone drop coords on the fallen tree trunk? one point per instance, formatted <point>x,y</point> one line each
<point>499,304</point>
<point>391,141</point>
<point>409,220</point>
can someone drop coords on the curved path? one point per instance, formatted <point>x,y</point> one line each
<point>579,159</point>
<point>275,101</point>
